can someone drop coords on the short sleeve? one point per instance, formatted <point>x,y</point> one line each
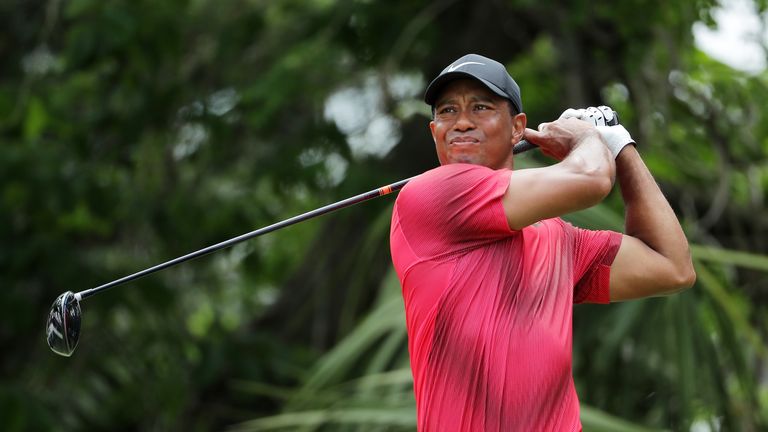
<point>594,252</point>
<point>453,207</point>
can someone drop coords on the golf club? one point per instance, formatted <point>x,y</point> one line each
<point>63,324</point>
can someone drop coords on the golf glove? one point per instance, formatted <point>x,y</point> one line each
<point>616,137</point>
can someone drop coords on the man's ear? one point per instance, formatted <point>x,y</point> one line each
<point>519,122</point>
<point>432,127</point>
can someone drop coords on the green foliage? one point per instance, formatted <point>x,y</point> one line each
<point>134,131</point>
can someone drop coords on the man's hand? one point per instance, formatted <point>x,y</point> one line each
<point>557,139</point>
<point>602,117</point>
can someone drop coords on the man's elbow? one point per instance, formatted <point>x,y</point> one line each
<point>681,280</point>
<point>602,177</point>
<point>601,184</point>
<point>686,271</point>
<point>688,278</point>
<point>596,176</point>
<point>605,185</point>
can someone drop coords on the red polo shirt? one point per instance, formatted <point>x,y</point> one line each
<point>489,309</point>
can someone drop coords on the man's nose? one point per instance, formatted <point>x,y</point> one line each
<point>464,121</point>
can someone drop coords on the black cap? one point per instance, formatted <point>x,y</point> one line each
<point>489,72</point>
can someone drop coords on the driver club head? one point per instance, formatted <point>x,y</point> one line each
<point>62,330</point>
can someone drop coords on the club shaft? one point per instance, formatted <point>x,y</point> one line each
<point>394,187</point>
<point>276,226</point>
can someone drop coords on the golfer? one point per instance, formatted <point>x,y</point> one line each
<point>489,272</point>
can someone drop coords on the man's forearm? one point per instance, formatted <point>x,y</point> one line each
<point>649,216</point>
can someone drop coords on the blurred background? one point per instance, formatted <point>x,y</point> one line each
<point>132,132</point>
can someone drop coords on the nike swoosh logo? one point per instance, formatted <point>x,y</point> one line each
<point>454,67</point>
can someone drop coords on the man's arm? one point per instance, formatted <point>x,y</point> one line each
<point>654,258</point>
<point>582,178</point>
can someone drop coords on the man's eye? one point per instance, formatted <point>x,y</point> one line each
<point>481,107</point>
<point>447,110</point>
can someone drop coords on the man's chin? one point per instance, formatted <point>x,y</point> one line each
<point>466,159</point>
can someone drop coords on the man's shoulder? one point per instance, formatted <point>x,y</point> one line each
<point>445,174</point>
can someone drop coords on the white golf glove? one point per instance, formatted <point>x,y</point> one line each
<point>616,137</point>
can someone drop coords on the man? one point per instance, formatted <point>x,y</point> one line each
<point>489,272</point>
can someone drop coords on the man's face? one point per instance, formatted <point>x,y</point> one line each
<point>474,125</point>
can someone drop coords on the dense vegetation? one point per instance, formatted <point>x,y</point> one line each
<point>132,132</point>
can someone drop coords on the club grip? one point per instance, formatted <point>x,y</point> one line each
<point>524,146</point>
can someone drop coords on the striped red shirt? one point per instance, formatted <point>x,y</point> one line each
<point>489,309</point>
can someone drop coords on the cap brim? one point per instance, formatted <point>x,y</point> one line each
<point>433,90</point>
